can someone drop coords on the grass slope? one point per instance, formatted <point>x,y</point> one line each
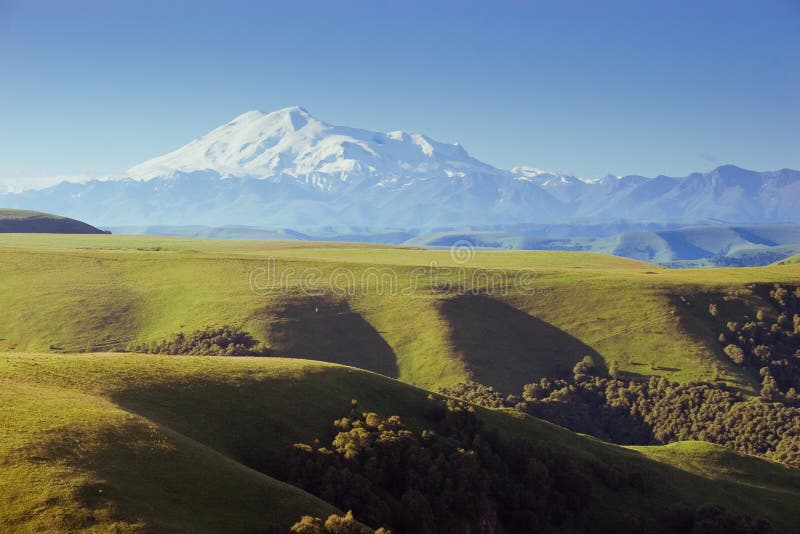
<point>76,461</point>
<point>102,442</point>
<point>790,260</point>
<point>22,221</point>
<point>94,293</point>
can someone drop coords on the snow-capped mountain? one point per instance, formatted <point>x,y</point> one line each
<point>291,143</point>
<point>289,169</point>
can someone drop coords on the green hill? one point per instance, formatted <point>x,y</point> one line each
<point>790,260</point>
<point>178,443</point>
<point>24,222</point>
<point>92,293</point>
<point>142,443</point>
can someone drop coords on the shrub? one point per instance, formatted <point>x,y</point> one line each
<point>223,340</point>
<point>335,524</point>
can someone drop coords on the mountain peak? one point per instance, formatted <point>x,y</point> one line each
<point>297,116</point>
<point>257,113</point>
<point>729,168</point>
<point>291,142</point>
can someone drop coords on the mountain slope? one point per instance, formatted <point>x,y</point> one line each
<point>289,169</point>
<point>20,221</point>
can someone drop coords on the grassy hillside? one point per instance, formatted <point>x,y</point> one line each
<point>715,461</point>
<point>90,293</point>
<point>102,442</point>
<point>21,221</point>
<point>790,260</point>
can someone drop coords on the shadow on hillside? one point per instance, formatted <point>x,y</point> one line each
<point>682,248</point>
<point>140,471</point>
<point>255,413</point>
<point>326,330</point>
<point>748,235</point>
<point>696,320</point>
<point>507,348</point>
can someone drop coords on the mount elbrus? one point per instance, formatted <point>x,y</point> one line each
<point>289,169</point>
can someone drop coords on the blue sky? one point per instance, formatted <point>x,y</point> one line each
<point>589,87</point>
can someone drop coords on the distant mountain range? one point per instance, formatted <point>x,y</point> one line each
<point>697,246</point>
<point>287,169</point>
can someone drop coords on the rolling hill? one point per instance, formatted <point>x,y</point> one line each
<point>21,221</point>
<point>792,259</point>
<point>154,443</point>
<point>395,314</point>
<point>143,443</point>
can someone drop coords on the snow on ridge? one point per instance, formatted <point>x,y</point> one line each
<point>292,142</point>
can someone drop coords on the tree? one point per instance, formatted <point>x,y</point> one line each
<point>584,368</point>
<point>346,524</point>
<point>735,353</point>
<point>308,525</point>
<point>763,353</point>
<point>769,389</point>
<point>779,294</point>
<point>532,392</point>
<point>613,371</point>
<point>225,340</point>
<point>335,524</point>
<point>712,310</point>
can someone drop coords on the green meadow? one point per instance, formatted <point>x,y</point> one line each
<point>97,440</point>
<point>95,293</point>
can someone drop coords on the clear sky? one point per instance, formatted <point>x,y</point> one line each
<point>90,88</point>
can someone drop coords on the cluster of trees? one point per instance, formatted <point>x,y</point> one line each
<point>769,342</point>
<point>655,411</point>
<point>225,340</point>
<point>457,476</point>
<point>452,477</point>
<point>706,519</point>
<point>335,524</point>
<point>481,394</point>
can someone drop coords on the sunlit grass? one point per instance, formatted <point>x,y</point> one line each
<point>99,442</point>
<point>100,292</point>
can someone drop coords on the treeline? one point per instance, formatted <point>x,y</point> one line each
<point>652,412</point>
<point>769,342</point>
<point>225,340</point>
<point>456,477</point>
<point>335,524</point>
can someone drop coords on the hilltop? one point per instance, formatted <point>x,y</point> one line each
<point>23,221</point>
